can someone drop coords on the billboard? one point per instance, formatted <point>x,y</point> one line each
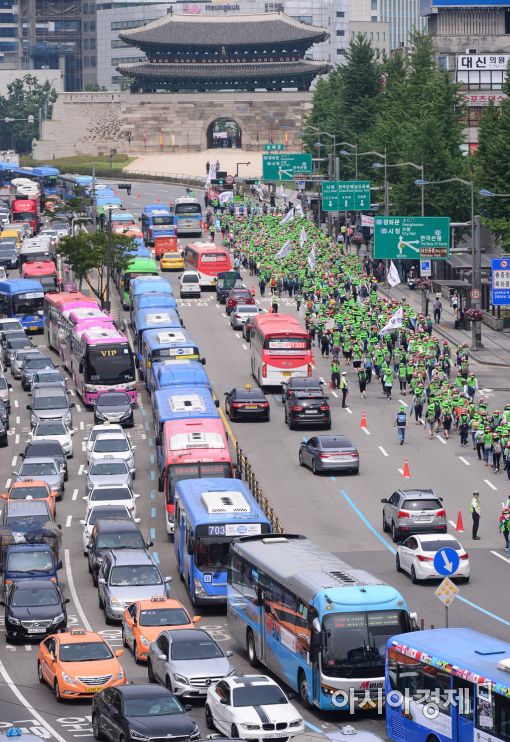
<point>427,6</point>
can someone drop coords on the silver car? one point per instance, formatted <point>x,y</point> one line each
<point>108,470</point>
<point>5,388</point>
<point>240,314</point>
<point>16,358</point>
<point>413,511</point>
<point>113,444</point>
<point>50,403</point>
<point>187,661</point>
<point>46,469</point>
<point>31,365</point>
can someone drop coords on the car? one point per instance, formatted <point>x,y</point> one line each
<point>9,257</point>
<point>329,453</point>
<point>114,407</point>
<point>253,707</point>
<point>46,469</point>
<point>52,234</point>
<point>30,365</point>
<point>54,430</point>
<point>307,408</point>
<point>240,314</point>
<point>113,444</point>
<point>171,261</point>
<point>97,513</point>
<point>190,284</point>
<point>31,490</point>
<point>14,341</point>
<point>4,438</point>
<point>141,712</point>
<point>111,534</point>
<point>125,576</point>
<point>144,620</point>
<point>187,661</point>
<point>5,389</point>
<point>4,413</point>
<point>78,664</point>
<point>413,511</point>
<point>112,494</point>
<point>108,470</point>
<point>246,403</point>
<point>26,517</point>
<point>416,555</point>
<point>34,609</point>
<point>50,403</point>
<point>301,384</point>
<point>49,377</point>
<point>97,430</point>
<point>238,296</point>
<point>47,449</point>
<point>23,348</point>
<point>62,229</point>
<point>10,324</point>
<point>32,561</point>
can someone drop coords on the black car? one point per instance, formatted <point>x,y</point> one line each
<point>114,407</point>
<point>227,280</point>
<point>301,384</point>
<point>8,255</point>
<point>44,449</point>
<point>246,403</point>
<point>307,409</point>
<point>4,440</point>
<point>34,609</point>
<point>110,534</point>
<point>31,365</point>
<point>4,413</point>
<point>329,453</point>
<point>141,712</point>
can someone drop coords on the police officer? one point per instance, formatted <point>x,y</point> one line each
<point>474,509</point>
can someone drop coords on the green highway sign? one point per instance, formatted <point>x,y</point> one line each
<point>345,195</point>
<point>286,166</point>
<point>413,237</point>
<point>274,147</point>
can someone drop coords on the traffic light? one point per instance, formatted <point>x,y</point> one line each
<point>250,181</point>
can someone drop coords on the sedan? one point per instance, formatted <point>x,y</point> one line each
<point>34,609</point>
<point>22,348</point>
<point>117,494</point>
<point>113,444</point>
<point>45,469</point>
<point>109,470</point>
<point>114,407</point>
<point>246,404</point>
<point>307,408</point>
<point>329,453</point>
<point>31,365</point>
<point>101,512</point>
<point>416,556</point>
<point>97,430</point>
<point>240,315</point>
<point>238,296</point>
<point>54,430</point>
<point>49,377</point>
<point>5,389</point>
<point>13,342</point>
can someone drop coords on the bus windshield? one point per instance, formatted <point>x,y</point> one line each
<point>27,305</point>
<point>213,554</point>
<point>183,209</point>
<point>162,220</point>
<point>106,367</point>
<point>178,472</point>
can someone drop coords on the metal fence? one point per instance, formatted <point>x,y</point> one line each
<point>245,471</point>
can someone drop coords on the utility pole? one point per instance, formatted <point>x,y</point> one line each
<point>108,260</point>
<point>94,201</point>
<point>476,285</point>
<point>330,177</point>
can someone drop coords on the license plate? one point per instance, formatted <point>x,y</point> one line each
<point>202,692</point>
<point>286,373</point>
<point>311,412</point>
<point>94,689</point>
<point>250,407</point>
<point>33,327</point>
<point>35,631</point>
<point>422,519</point>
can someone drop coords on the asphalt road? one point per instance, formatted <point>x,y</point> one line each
<point>342,513</point>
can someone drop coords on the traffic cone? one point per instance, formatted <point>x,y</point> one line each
<point>406,473</point>
<point>460,525</point>
<point>363,423</point>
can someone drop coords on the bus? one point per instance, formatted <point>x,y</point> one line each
<point>209,515</point>
<point>178,373</point>
<point>150,319</point>
<point>156,220</point>
<point>192,449</point>
<point>145,285</point>
<point>136,267</point>
<point>44,272</point>
<point>447,685</point>
<point>280,349</point>
<point>188,216</point>
<point>22,298</point>
<point>122,221</point>
<point>74,323</point>
<point>21,188</point>
<point>207,260</point>
<point>318,623</point>
<point>154,301</point>
<point>165,345</point>
<point>46,177</point>
<point>26,210</point>
<point>72,186</point>
<point>101,360</point>
<point>57,308</point>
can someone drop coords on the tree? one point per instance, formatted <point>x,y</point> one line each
<point>92,257</point>
<point>94,87</point>
<point>25,97</point>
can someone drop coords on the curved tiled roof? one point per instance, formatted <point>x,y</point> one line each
<point>241,72</point>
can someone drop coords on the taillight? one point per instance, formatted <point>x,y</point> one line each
<point>422,558</point>
<point>324,407</point>
<point>296,408</point>
<point>264,370</point>
<point>441,514</point>
<point>403,514</point>
<point>464,556</point>
<point>236,404</point>
<point>264,404</point>
<point>309,369</point>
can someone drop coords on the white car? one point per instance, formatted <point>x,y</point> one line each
<point>96,430</point>
<point>251,707</point>
<point>112,494</point>
<point>54,430</point>
<point>416,555</point>
<point>113,444</point>
<point>100,511</point>
<point>240,314</point>
<point>106,432</point>
<point>190,284</point>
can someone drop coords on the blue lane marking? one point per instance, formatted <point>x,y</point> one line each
<point>153,512</point>
<point>483,610</point>
<point>151,458</point>
<point>152,534</point>
<point>153,476</point>
<point>313,727</point>
<point>142,410</point>
<point>365,520</point>
<point>155,556</point>
<point>146,425</point>
<point>150,441</point>
<point>152,494</point>
<point>333,479</point>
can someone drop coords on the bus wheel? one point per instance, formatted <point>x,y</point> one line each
<point>303,689</point>
<point>432,738</point>
<point>251,649</point>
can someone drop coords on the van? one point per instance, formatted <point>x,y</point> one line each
<point>190,284</point>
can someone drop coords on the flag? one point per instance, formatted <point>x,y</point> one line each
<point>225,197</point>
<point>212,171</point>
<point>289,216</point>
<point>299,209</point>
<point>302,237</point>
<point>285,250</point>
<point>393,277</point>
<point>311,258</point>
<point>282,192</point>
<point>394,321</point>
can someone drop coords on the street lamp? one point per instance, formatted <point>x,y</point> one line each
<point>237,167</point>
<point>406,164</point>
<point>355,153</point>
<point>490,194</point>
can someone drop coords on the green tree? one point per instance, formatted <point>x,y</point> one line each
<point>94,87</point>
<point>25,97</point>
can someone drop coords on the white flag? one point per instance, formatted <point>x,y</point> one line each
<point>282,192</point>
<point>289,216</point>
<point>285,250</point>
<point>302,237</point>
<point>311,258</point>
<point>394,321</point>
<point>393,277</point>
<point>211,174</point>
<point>225,197</point>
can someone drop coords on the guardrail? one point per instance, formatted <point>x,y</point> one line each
<point>245,471</point>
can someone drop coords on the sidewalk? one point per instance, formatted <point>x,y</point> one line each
<point>193,163</point>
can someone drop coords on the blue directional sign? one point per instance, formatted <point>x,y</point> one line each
<point>446,561</point>
<point>500,282</point>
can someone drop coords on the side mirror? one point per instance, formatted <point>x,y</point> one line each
<point>196,619</point>
<point>85,471</point>
<point>119,652</point>
<point>167,579</point>
<point>216,402</point>
<point>29,407</point>
<point>223,701</point>
<point>83,522</point>
<point>384,500</point>
<point>2,602</point>
<point>59,564</point>
<point>148,544</point>
<point>202,361</point>
<point>67,600</point>
<point>101,580</point>
<point>162,657</point>
<point>229,653</point>
<point>188,707</point>
<point>138,520</point>
<point>9,386</point>
<point>71,405</point>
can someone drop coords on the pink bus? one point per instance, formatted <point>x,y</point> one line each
<point>57,308</point>
<point>78,320</point>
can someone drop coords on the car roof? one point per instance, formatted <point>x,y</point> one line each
<point>132,557</point>
<point>27,507</point>
<point>158,603</point>
<point>114,435</point>
<point>76,636</point>
<point>51,391</point>
<point>416,494</point>
<point>193,635</point>
<point>30,483</point>
<point>114,524</point>
<point>43,444</point>
<point>304,381</point>
<point>240,681</point>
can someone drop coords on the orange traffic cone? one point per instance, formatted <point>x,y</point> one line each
<point>406,473</point>
<point>363,423</point>
<point>460,525</point>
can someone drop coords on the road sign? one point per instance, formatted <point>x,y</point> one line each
<point>229,179</point>
<point>446,561</point>
<point>475,294</point>
<point>425,268</point>
<point>446,592</point>
<point>287,166</point>
<point>300,184</point>
<point>412,237</point>
<point>274,147</point>
<point>345,195</point>
<point>500,282</point>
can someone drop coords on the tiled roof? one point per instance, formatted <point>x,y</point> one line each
<point>226,71</point>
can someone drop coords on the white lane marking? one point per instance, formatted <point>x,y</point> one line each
<point>366,430</point>
<point>349,410</point>
<point>74,594</point>
<point>500,556</point>
<point>334,393</point>
<point>489,484</point>
<point>440,438</point>
<point>244,346</point>
<point>452,523</point>
<point>18,420</point>
<point>464,461</point>
<point>8,484</point>
<point>384,453</point>
<point>82,425</point>
<point>69,520</point>
<point>28,647</point>
<point>78,407</point>
<point>401,471</point>
<point>224,315</point>
<point>16,439</point>
<point>80,470</point>
<point>404,403</point>
<point>16,403</point>
<point>24,703</point>
<point>14,459</point>
<point>75,495</point>
<point>83,446</point>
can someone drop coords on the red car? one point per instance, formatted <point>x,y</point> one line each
<point>238,296</point>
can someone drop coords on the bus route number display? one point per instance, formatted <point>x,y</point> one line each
<point>235,529</point>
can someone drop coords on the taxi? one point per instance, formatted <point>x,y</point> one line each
<point>32,490</point>
<point>78,664</point>
<point>172,261</point>
<point>144,620</point>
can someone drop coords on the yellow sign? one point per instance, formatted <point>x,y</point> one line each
<point>447,592</point>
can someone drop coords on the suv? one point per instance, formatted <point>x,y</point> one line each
<point>126,576</point>
<point>227,280</point>
<point>301,384</point>
<point>413,511</point>
<point>112,535</point>
<point>24,517</point>
<point>31,365</point>
<point>307,408</point>
<point>190,284</point>
<point>50,402</point>
<point>28,562</point>
<point>46,449</point>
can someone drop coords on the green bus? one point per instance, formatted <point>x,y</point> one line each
<point>136,267</point>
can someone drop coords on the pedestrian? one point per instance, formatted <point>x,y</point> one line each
<point>325,345</point>
<point>275,300</point>
<point>400,424</point>
<point>362,381</point>
<point>387,383</point>
<point>474,509</point>
<point>496,453</point>
<point>217,167</point>
<point>262,286</point>
<point>418,402</point>
<point>207,166</point>
<point>344,388</point>
<point>504,524</point>
<point>438,308</point>
<point>335,374</point>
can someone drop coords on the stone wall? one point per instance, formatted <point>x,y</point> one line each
<point>91,123</point>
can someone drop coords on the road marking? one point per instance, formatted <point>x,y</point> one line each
<point>401,471</point>
<point>452,523</point>
<point>244,346</point>
<point>83,446</point>
<point>365,520</point>
<point>152,533</point>
<point>153,512</point>
<point>18,420</point>
<point>464,461</point>
<point>404,403</point>
<point>16,439</point>
<point>384,453</point>
<point>82,425</point>
<point>75,495</point>
<point>14,459</point>
<point>224,315</point>
<point>152,494</point>
<point>440,438</point>
<point>78,407</point>
<point>313,727</point>
<point>489,484</point>
<point>69,520</point>
<point>153,476</point>
<point>80,470</point>
<point>155,556</point>
<point>334,393</point>
<point>74,594</point>
<point>28,647</point>
<point>500,556</point>
<point>349,410</point>
<point>16,403</point>
<point>151,457</point>
<point>366,431</point>
<point>8,484</point>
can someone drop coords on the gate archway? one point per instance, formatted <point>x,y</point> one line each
<point>224,133</point>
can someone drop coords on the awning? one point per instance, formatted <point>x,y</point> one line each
<point>463,260</point>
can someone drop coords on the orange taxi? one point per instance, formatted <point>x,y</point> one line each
<point>32,490</point>
<point>78,664</point>
<point>144,620</point>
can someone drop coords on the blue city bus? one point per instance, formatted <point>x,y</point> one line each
<point>22,298</point>
<point>318,623</point>
<point>145,286</point>
<point>188,216</point>
<point>447,685</point>
<point>165,345</point>
<point>157,221</point>
<point>184,372</point>
<point>46,177</point>
<point>155,301</point>
<point>70,186</point>
<point>153,319</point>
<point>209,515</point>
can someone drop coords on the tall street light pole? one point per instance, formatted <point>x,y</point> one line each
<point>407,164</point>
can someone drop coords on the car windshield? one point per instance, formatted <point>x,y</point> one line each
<point>112,400</point>
<point>113,513</point>
<point>107,445</point>
<point>18,343</point>
<point>51,427</point>
<point>121,540</point>
<point>153,705</point>
<point>422,504</point>
<point>193,649</point>
<point>22,493</point>
<point>437,545</point>
<point>190,279</point>
<point>32,363</point>
<point>164,617</point>
<point>84,652</point>
<point>136,575</point>
<point>111,493</point>
<point>53,402</point>
<point>3,383</point>
<point>25,523</point>
<point>5,326</point>
<point>29,561</point>
<point>39,468</point>
<point>211,554</point>
<point>25,598</point>
<point>259,695</point>
<point>108,468</point>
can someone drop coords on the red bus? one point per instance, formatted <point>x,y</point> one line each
<point>192,449</point>
<point>280,348</point>
<point>26,210</point>
<point>208,260</point>
<point>45,273</point>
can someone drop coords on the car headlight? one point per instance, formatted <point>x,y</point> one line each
<point>144,641</point>
<point>250,726</point>
<point>181,679</point>
<point>137,735</point>
<point>120,675</point>
<point>195,734</point>
<point>296,723</point>
<point>58,618</point>
<point>115,602</point>
<point>13,620</point>
<point>68,679</point>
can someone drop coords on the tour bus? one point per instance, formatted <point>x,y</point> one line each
<point>447,685</point>
<point>71,186</point>
<point>46,177</point>
<point>165,345</point>
<point>188,216</point>
<point>150,319</point>
<point>156,220</point>
<point>207,260</point>
<point>280,349</point>
<point>57,308</point>
<point>192,449</point>
<point>21,188</point>
<point>178,373</point>
<point>74,323</point>
<point>44,272</point>
<point>209,515</point>
<point>145,285</point>
<point>318,623</point>
<point>136,267</point>
<point>102,361</point>
<point>22,298</point>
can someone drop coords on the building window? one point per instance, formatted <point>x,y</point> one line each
<point>85,25</point>
<point>340,14</point>
<point>92,25</point>
<point>118,43</point>
<point>92,43</point>
<point>127,60</point>
<point>118,25</point>
<point>374,19</point>
<point>340,51</point>
<point>374,5</point>
<point>85,43</point>
<point>340,32</point>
